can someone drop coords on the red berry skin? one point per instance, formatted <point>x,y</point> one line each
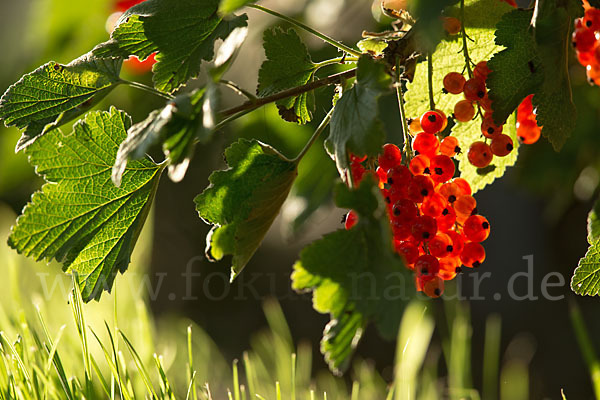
<point>473,255</point>
<point>450,146</point>
<point>408,251</point>
<point>419,188</point>
<point>528,131</point>
<point>465,206</point>
<point>464,111</point>
<point>432,122</point>
<point>502,145</point>
<point>427,265</point>
<point>440,246</point>
<point>454,82</point>
<point>451,25</point>
<point>480,154</point>
<point>584,39</point>
<point>591,20</point>
<point>449,268</point>
<point>433,205</point>
<point>476,228</point>
<point>447,219</point>
<point>351,219</point>
<point>434,287</point>
<point>357,159</point>
<point>458,243</point>
<point>404,211</point>
<point>401,230</point>
<point>390,157</point>
<point>426,144</point>
<point>442,168</point>
<point>463,185</point>
<point>489,128</point>
<point>481,70</point>
<point>424,228</point>
<point>419,165</point>
<point>382,176</point>
<point>451,191</point>
<point>358,172</point>
<point>398,176</point>
<point>474,89</point>
<point>525,108</point>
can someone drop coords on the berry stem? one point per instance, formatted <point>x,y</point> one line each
<point>237,89</point>
<point>148,89</point>
<point>405,133</point>
<point>464,39</point>
<point>314,137</point>
<point>307,28</point>
<point>430,80</point>
<point>337,60</point>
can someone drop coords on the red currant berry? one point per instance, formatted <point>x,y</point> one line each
<point>528,132</point>
<point>440,246</point>
<point>480,154</point>
<point>451,25</point>
<point>465,206</point>
<point>473,255</point>
<point>502,145</point>
<point>449,146</point>
<point>419,188</point>
<point>591,20</point>
<point>447,219</point>
<point>426,144</point>
<point>433,205</point>
<point>442,168</point>
<point>489,128</point>
<point>449,268</point>
<point>476,228</point>
<point>419,165</point>
<point>458,243</point>
<point>584,39</point>
<point>404,211</point>
<point>454,82</point>
<point>432,122</point>
<point>390,157</point>
<point>398,176</point>
<point>351,219</point>
<point>464,111</point>
<point>427,265</point>
<point>408,251</point>
<point>434,287</point>
<point>424,228</point>
<point>481,70</point>
<point>401,230</point>
<point>463,185</point>
<point>474,89</point>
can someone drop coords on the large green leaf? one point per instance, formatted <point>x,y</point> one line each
<point>79,217</point>
<point>55,94</point>
<point>183,32</point>
<point>535,61</point>
<point>480,18</point>
<point>355,124</point>
<point>355,276</point>
<point>586,280</point>
<point>178,126</point>
<point>243,201</point>
<point>288,65</point>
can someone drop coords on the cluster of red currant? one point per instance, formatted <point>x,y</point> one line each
<point>586,40</point>
<point>433,217</point>
<point>475,94</point>
<point>528,130</point>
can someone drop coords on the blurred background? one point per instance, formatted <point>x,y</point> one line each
<point>537,211</point>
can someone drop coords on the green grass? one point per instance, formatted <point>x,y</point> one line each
<point>52,346</point>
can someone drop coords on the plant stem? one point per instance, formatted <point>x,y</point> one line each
<point>236,88</point>
<point>148,89</point>
<point>464,39</point>
<point>430,81</point>
<point>403,121</point>
<point>307,28</point>
<point>336,60</point>
<point>315,136</point>
<point>585,345</point>
<point>253,105</point>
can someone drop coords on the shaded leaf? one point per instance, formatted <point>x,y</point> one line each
<point>183,32</point>
<point>355,276</point>
<point>243,201</point>
<point>288,65</point>
<point>355,124</point>
<point>177,127</point>
<point>586,279</point>
<point>79,217</point>
<point>55,94</point>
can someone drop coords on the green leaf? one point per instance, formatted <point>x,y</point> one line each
<point>372,46</point>
<point>586,279</point>
<point>55,94</point>
<point>355,124</point>
<point>480,18</point>
<point>536,61</point>
<point>288,65</point>
<point>355,276</point>
<point>229,6</point>
<point>177,127</point>
<point>183,32</point>
<point>243,201</point>
<point>79,217</point>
